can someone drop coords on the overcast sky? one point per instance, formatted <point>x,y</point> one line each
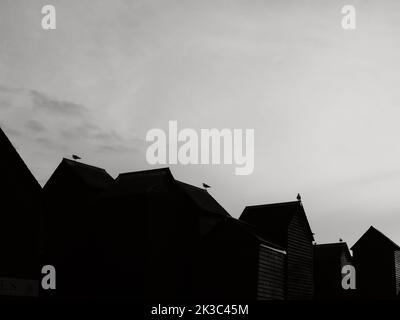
<point>324,102</point>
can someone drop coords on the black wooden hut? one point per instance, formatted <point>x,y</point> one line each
<point>236,263</point>
<point>133,237</point>
<point>377,262</point>
<point>152,227</point>
<point>286,225</point>
<point>69,224</point>
<point>19,220</point>
<point>329,260</point>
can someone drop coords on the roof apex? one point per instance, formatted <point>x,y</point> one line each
<point>81,164</point>
<point>92,176</point>
<point>372,230</point>
<point>289,203</point>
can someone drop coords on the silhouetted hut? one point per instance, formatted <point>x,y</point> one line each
<point>152,227</point>
<point>329,260</point>
<point>377,262</point>
<point>70,225</point>
<point>19,220</point>
<point>286,225</point>
<point>236,263</point>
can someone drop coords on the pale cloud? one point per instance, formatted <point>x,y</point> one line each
<point>48,143</point>
<point>45,129</point>
<point>115,148</point>
<point>47,104</point>
<point>35,126</point>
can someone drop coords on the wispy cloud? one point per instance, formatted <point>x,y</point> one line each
<point>6,89</point>
<point>64,108</point>
<point>35,126</point>
<point>46,129</point>
<point>115,149</point>
<point>50,144</point>
<point>88,130</point>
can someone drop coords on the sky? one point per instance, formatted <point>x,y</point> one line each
<point>323,101</point>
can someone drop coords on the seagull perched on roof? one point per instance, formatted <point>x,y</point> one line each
<point>298,197</point>
<point>75,157</point>
<point>206,186</point>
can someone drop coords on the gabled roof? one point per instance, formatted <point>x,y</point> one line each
<point>273,220</point>
<point>373,235</point>
<point>140,181</point>
<point>143,181</point>
<point>202,198</point>
<point>238,227</point>
<point>250,229</point>
<point>92,176</point>
<point>328,252</point>
<point>14,166</point>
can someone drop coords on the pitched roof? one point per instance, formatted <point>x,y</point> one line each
<point>15,168</point>
<point>237,228</point>
<point>328,252</point>
<point>142,181</point>
<point>202,198</point>
<point>92,176</point>
<point>252,230</point>
<point>373,235</point>
<point>138,181</point>
<point>273,220</point>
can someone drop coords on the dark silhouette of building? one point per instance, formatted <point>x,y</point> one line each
<point>69,225</point>
<point>133,237</point>
<point>156,229</point>
<point>19,220</point>
<point>145,235</point>
<point>236,263</point>
<point>377,262</point>
<point>286,225</point>
<point>329,260</point>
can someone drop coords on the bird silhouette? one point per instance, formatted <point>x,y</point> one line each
<point>298,197</point>
<point>340,240</point>
<point>206,186</point>
<point>75,157</point>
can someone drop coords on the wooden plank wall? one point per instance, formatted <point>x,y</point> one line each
<point>397,262</point>
<point>271,274</point>
<point>300,283</point>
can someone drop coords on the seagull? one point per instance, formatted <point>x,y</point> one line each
<point>206,186</point>
<point>298,197</point>
<point>340,240</point>
<point>75,157</point>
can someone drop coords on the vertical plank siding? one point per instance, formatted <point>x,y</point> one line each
<point>271,274</point>
<point>397,266</point>
<point>299,261</point>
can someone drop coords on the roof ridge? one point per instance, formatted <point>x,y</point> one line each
<point>83,164</point>
<point>143,171</point>
<point>385,236</point>
<point>190,185</point>
<point>372,228</point>
<point>191,191</point>
<point>272,204</point>
<point>253,230</point>
<point>332,244</point>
